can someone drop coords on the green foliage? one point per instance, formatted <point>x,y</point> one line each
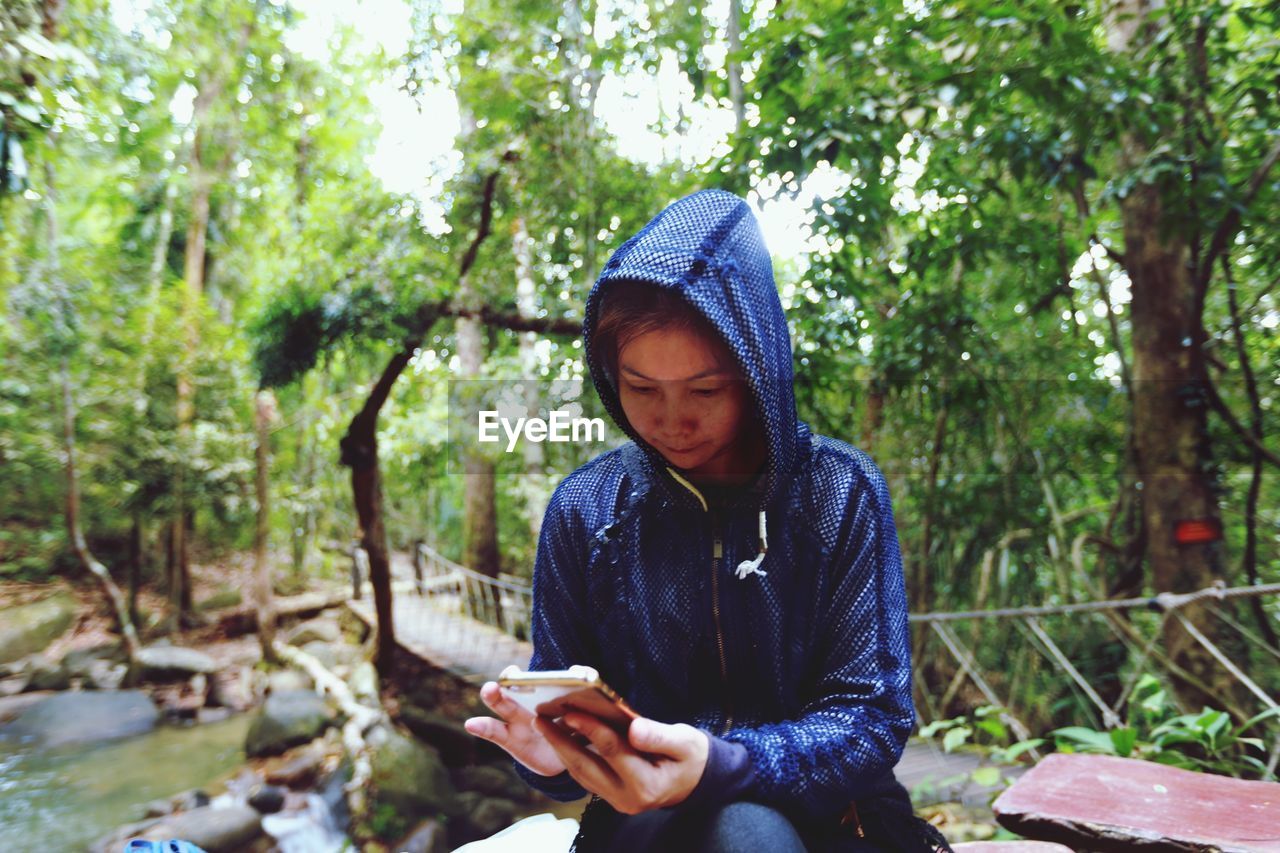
<point>983,731</point>
<point>1206,741</point>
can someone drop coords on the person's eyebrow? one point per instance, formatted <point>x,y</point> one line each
<point>715,371</point>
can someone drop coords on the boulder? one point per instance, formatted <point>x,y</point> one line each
<point>12,706</point>
<point>286,719</point>
<point>79,663</point>
<point>30,628</point>
<point>230,829</point>
<point>364,684</point>
<point>84,717</point>
<point>456,745</point>
<point>315,630</point>
<point>46,674</point>
<point>105,675</point>
<point>491,781</point>
<point>429,837</point>
<point>172,663</point>
<point>483,816</point>
<point>267,799</point>
<point>409,777</point>
<point>285,680</point>
<point>298,768</point>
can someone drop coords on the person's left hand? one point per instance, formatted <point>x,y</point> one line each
<point>622,770</point>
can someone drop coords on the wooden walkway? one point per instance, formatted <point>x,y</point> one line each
<point>477,653</point>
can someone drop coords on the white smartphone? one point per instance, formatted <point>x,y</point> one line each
<point>553,693</point>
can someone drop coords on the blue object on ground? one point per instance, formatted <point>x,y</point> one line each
<point>173,845</point>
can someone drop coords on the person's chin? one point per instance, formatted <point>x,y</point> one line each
<point>687,460</point>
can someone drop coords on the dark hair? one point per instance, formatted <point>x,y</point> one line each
<point>632,308</point>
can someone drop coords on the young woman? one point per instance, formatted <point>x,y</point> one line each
<point>731,574</point>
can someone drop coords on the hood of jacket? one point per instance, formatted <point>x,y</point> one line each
<point>707,247</point>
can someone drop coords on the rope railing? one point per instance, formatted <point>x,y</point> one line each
<point>452,600</point>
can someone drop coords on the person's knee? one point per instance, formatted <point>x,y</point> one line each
<point>744,826</point>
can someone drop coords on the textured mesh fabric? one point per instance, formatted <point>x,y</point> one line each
<point>817,652</point>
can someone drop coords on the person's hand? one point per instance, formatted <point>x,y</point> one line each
<point>514,732</point>
<point>654,765</point>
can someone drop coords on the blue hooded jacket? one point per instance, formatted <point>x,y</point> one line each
<point>805,682</point>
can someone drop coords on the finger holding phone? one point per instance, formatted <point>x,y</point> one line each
<point>514,732</point>
<point>653,765</point>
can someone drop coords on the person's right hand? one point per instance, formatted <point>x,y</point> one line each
<point>514,732</point>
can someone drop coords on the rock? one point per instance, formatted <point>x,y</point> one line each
<point>484,816</point>
<point>296,769</point>
<point>267,799</point>
<point>428,837</point>
<point>79,662</point>
<point>32,627</point>
<point>213,715</point>
<point>364,683</point>
<point>316,630</point>
<point>115,841</point>
<point>172,663</point>
<point>332,791</point>
<point>333,655</point>
<point>84,717</point>
<point>491,781</point>
<point>457,746</point>
<point>284,680</point>
<point>12,686</point>
<point>105,675</point>
<point>45,674</point>
<point>12,706</point>
<point>214,830</point>
<point>409,777</point>
<point>185,801</point>
<point>286,719</point>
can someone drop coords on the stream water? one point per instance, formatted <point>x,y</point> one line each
<point>63,799</point>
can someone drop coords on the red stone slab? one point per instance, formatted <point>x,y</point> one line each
<point>1098,802</point>
<point>1009,847</point>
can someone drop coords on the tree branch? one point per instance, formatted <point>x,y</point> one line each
<point>1231,222</point>
<point>1221,407</point>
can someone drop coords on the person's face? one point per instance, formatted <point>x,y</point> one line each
<point>682,395</point>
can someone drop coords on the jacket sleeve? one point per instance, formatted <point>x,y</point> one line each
<point>560,633</point>
<point>858,710</point>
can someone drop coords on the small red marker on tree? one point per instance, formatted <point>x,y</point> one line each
<point>1197,531</point>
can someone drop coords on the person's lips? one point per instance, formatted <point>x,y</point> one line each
<point>681,450</point>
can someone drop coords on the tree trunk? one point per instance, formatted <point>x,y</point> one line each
<point>74,532</point>
<point>194,266</point>
<point>1170,399</point>
<point>78,543</point>
<point>733,35</point>
<point>360,454</point>
<point>479,519</point>
<point>532,480</point>
<point>264,409</point>
<point>920,595</point>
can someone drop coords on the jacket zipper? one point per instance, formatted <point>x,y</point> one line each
<point>717,553</point>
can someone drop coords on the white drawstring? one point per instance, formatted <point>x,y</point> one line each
<point>750,567</point>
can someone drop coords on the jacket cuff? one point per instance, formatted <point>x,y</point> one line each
<point>562,787</point>
<point>727,776</point>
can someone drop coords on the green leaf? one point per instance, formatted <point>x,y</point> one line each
<point>956,737</point>
<point>1088,739</point>
<point>937,726</point>
<point>1022,746</point>
<point>995,728</point>
<point>987,777</point>
<point>1123,740</point>
<point>29,111</point>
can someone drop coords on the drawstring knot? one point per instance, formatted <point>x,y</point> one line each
<point>752,567</point>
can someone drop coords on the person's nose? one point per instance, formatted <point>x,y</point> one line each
<point>675,417</point>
